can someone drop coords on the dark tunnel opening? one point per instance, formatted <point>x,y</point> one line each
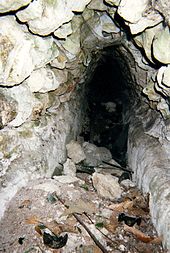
<point>108,103</point>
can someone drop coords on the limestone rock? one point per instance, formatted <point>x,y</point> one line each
<point>75,151</point>
<point>113,2</point>
<point>33,11</point>
<point>8,109</point>
<point>46,79</point>
<point>63,31</point>
<point>161,46</point>
<point>11,5</point>
<point>145,40</point>
<point>67,179</point>
<point>163,107</point>
<point>69,168</point>
<point>97,5</point>
<point>107,186</point>
<point>72,43</point>
<point>150,20</point>
<point>25,103</point>
<point>108,25</point>
<point>22,51</point>
<point>60,59</point>
<point>44,17</point>
<point>163,81</point>
<point>131,10</point>
<point>127,184</point>
<point>149,90</point>
<point>166,76</point>
<point>95,155</point>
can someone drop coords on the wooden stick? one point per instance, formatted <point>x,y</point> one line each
<point>86,228</point>
<point>119,167</point>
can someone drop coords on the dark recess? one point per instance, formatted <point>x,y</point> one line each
<point>108,126</point>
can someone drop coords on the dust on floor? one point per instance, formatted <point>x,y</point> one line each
<point>54,206</point>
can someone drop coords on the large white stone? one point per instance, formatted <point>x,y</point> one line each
<point>161,46</point>
<point>166,76</point>
<point>45,79</point>
<point>163,80</point>
<point>44,17</point>
<point>145,40</point>
<point>75,151</point>
<point>97,5</point>
<point>11,5</point>
<point>108,25</point>
<point>113,2</point>
<point>107,186</point>
<point>69,168</point>
<point>63,31</point>
<point>72,43</point>
<point>150,20</point>
<point>131,10</point>
<point>25,103</point>
<point>22,52</point>
<point>34,10</point>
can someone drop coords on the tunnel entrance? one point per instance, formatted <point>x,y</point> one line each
<point>108,104</point>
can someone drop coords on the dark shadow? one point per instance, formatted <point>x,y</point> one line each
<point>108,102</point>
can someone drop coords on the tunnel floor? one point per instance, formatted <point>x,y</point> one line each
<point>108,103</point>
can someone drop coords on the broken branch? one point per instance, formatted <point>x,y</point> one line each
<point>86,228</point>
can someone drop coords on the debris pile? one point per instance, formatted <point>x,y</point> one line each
<point>92,211</point>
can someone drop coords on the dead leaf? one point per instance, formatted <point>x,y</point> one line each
<point>58,228</point>
<point>91,248</point>
<point>121,207</point>
<point>113,223</point>
<point>25,203</point>
<point>33,220</point>
<point>141,236</point>
<point>38,230</point>
<point>80,207</point>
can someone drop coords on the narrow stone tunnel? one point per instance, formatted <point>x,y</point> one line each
<point>81,74</point>
<point>108,105</point>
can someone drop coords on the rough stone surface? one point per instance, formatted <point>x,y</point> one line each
<point>46,79</point>
<point>161,44</point>
<point>25,100</point>
<point>63,31</point>
<point>69,168</point>
<point>95,155</point>
<point>149,160</point>
<point>48,56</point>
<point>75,151</point>
<point>107,186</point>
<point>10,5</point>
<point>132,11</point>
<point>21,52</point>
<point>150,20</point>
<point>45,17</point>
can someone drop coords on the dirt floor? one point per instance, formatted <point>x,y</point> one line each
<point>62,215</point>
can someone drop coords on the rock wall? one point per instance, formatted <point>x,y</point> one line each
<point>48,49</point>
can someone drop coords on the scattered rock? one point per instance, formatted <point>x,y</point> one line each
<point>67,179</point>
<point>69,168</point>
<point>127,184</point>
<point>107,186</point>
<point>95,155</point>
<point>75,152</point>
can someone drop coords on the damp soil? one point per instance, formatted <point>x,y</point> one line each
<point>45,201</point>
